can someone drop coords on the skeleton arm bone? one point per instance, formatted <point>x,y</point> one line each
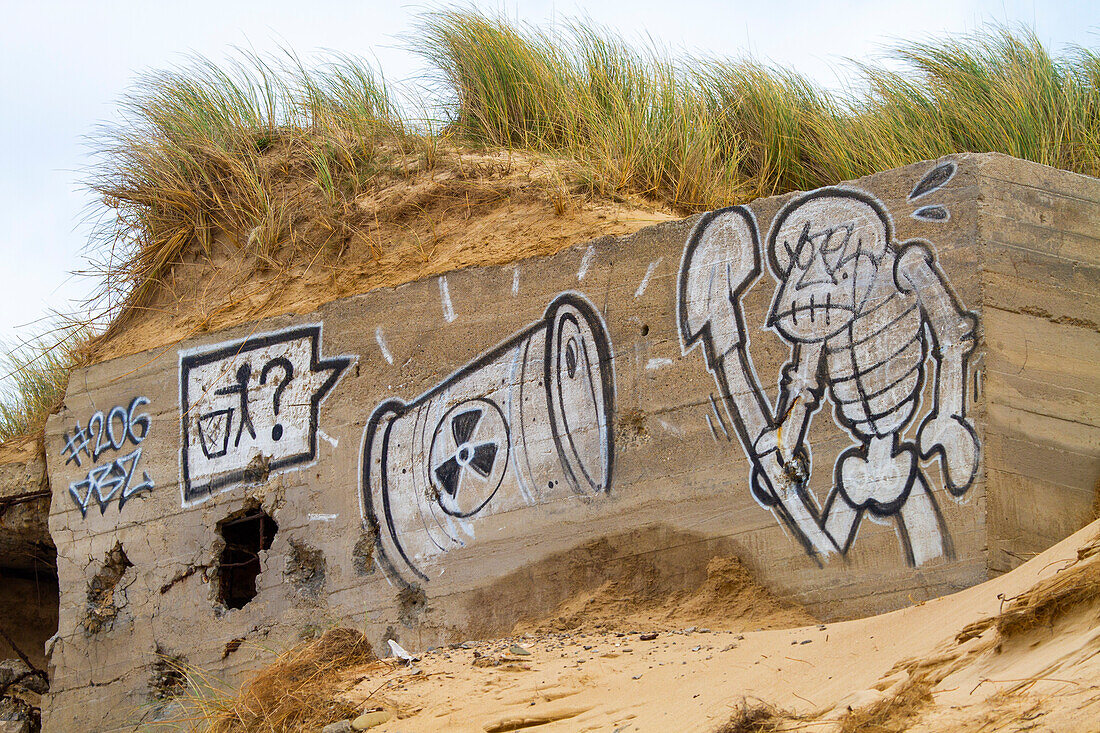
<point>721,261</point>
<point>736,380</point>
<point>800,395</point>
<point>916,271</point>
<point>946,431</point>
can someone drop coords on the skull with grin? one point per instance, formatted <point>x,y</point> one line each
<point>827,262</point>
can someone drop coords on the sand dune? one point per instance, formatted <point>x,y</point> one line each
<point>1019,652</point>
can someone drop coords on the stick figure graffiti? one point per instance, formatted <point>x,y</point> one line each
<point>862,314</point>
<point>240,388</point>
<point>276,381</point>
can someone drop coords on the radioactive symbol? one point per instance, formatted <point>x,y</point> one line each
<point>469,456</point>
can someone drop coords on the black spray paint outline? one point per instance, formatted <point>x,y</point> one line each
<point>386,413</point>
<point>795,473</point>
<point>198,357</point>
<point>936,178</point>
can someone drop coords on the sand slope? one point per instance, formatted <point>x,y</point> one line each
<point>467,210</point>
<point>912,669</point>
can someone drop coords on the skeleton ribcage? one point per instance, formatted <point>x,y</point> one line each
<point>875,366</point>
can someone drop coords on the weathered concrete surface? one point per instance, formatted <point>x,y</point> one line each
<point>1040,230</point>
<point>28,581</point>
<point>527,425</point>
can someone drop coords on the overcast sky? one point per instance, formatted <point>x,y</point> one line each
<point>64,67</point>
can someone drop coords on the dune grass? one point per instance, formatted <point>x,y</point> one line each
<point>204,149</point>
<point>296,691</point>
<point>214,148</point>
<point>233,148</point>
<point>702,132</point>
<point>37,375</point>
<point>254,149</point>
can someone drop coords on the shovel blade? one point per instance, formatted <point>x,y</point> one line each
<point>721,262</point>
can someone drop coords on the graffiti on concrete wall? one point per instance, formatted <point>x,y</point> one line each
<point>527,422</point>
<point>933,180</point>
<point>251,407</point>
<point>110,432</point>
<point>865,317</point>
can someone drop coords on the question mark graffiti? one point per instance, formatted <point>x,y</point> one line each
<point>288,372</point>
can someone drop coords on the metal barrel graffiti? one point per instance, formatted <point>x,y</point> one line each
<point>527,422</point>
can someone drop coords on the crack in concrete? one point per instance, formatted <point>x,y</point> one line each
<point>1039,312</point>
<point>182,576</point>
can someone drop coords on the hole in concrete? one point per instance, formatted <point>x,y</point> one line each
<point>103,605</point>
<point>410,601</point>
<point>305,568</point>
<point>257,470</point>
<point>645,329</point>
<point>169,678</point>
<point>246,534</point>
<point>362,555</point>
<point>231,646</point>
<point>631,428</point>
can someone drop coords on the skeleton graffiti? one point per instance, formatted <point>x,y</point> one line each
<point>527,422</point>
<point>862,314</point>
<point>108,432</point>
<point>249,401</point>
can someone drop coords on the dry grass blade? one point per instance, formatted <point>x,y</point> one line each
<point>758,717</point>
<point>892,714</point>
<point>294,693</point>
<point>1047,600</point>
<point>37,374</point>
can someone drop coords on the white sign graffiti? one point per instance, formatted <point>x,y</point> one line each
<point>251,405</point>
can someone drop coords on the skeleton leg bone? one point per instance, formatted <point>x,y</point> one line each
<point>841,520</point>
<point>921,525</point>
<point>885,479</point>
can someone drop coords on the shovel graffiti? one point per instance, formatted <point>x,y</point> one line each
<point>862,314</point>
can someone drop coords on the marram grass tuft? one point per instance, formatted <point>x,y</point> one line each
<point>698,133</point>
<point>37,375</point>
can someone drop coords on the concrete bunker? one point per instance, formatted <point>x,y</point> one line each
<point>500,416</point>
